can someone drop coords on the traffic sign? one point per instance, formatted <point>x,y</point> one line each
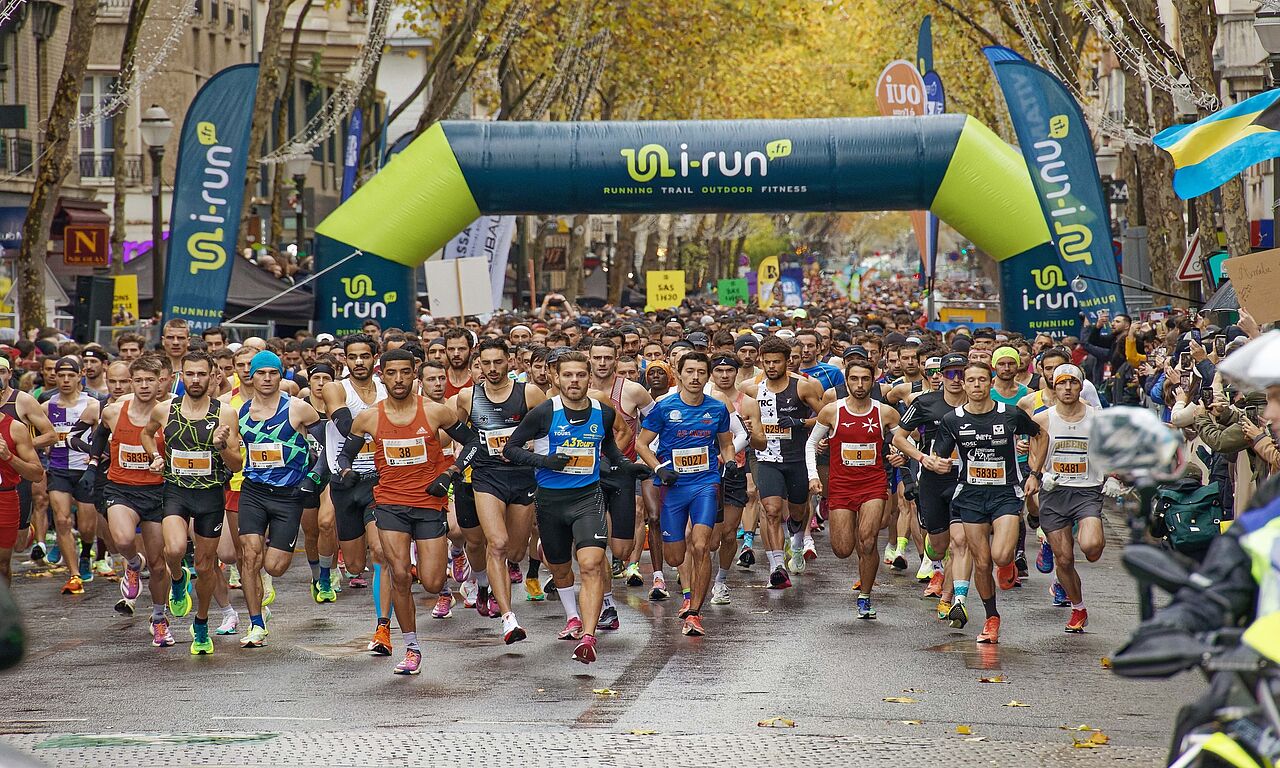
<point>1191,270</point>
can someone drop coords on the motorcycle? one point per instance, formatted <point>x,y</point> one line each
<point>1237,721</point>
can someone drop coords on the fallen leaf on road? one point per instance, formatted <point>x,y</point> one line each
<point>542,690</point>
<point>1106,662</point>
<point>976,738</point>
<point>964,730</point>
<point>39,575</point>
<point>604,691</point>
<point>639,732</point>
<point>760,612</point>
<point>913,690</point>
<point>1016,703</point>
<point>1099,738</point>
<point>1095,740</point>
<point>777,722</point>
<point>1081,727</point>
<point>996,679</point>
<point>911,722</point>
<point>901,700</point>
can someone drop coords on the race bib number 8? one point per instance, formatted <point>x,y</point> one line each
<point>405,452</point>
<point>986,473</point>
<point>496,439</point>
<point>191,463</point>
<point>133,457</point>
<point>266,455</point>
<point>858,454</point>
<point>582,461</point>
<point>687,461</point>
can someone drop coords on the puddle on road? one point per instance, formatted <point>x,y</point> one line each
<point>975,655</point>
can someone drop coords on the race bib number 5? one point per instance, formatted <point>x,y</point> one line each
<point>687,461</point>
<point>403,453</point>
<point>266,455</point>
<point>191,463</point>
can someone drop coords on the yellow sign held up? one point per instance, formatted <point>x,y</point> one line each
<point>767,274</point>
<point>665,289</point>
<point>124,305</point>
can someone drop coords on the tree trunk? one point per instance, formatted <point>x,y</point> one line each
<point>54,168</point>
<point>1235,217</point>
<point>624,256</point>
<point>264,106</point>
<point>574,272</point>
<point>279,175</point>
<point>120,135</point>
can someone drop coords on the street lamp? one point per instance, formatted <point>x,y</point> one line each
<point>297,164</point>
<point>156,128</point>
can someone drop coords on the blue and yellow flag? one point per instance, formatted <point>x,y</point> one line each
<point>1206,154</point>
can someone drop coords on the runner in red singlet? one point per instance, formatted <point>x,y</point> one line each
<point>18,462</point>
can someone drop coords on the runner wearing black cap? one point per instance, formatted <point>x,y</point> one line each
<point>747,348</point>
<point>744,419</point>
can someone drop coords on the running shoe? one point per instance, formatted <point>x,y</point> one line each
<point>810,551</point>
<point>693,626</point>
<point>779,579</point>
<point>180,596</point>
<point>586,650</point>
<point>686,608</point>
<point>659,591</point>
<point>268,590</point>
<point>865,611</point>
<point>1059,595</point>
<point>482,602</point>
<point>899,561</point>
<point>513,571</point>
<point>615,570</point>
<point>412,661</point>
<point>550,587</point>
<point>494,611</point>
<point>533,590</point>
<point>86,570</point>
<point>201,643</point>
<point>719,593</point>
<point>990,631</point>
<point>944,609</point>
<point>469,591</point>
<point>958,615</point>
<point>634,579</point>
<point>103,568</point>
<point>796,561</point>
<point>512,632</point>
<point>37,553</point>
<point>934,589</point>
<point>74,586</point>
<point>357,581</point>
<point>746,557</point>
<point>124,607</point>
<point>161,637</point>
<point>609,619</point>
<point>335,580</point>
<point>1044,559</point>
<point>1079,620</point>
<point>815,523</point>
<point>230,625</point>
<point>1020,560</point>
<point>1007,576</point>
<point>857,585</point>
<point>322,592</point>
<point>889,552</point>
<point>55,554</point>
<point>925,571</point>
<point>233,577</point>
<point>256,638</point>
<point>572,629</point>
<point>380,645</point>
<point>131,584</point>
<point>444,607</point>
<point>460,567</point>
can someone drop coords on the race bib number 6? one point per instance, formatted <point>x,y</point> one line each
<point>266,455</point>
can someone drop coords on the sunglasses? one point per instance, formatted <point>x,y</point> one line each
<point>953,373</point>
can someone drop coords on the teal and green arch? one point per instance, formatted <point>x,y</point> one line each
<point>952,165</point>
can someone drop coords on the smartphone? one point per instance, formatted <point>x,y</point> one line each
<point>1184,361</point>
<point>1251,412</point>
<point>1157,317</point>
<point>1220,346</point>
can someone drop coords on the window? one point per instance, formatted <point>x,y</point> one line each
<point>97,142</point>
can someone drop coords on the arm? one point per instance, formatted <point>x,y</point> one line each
<point>302,414</point>
<point>1131,351</point>
<point>226,439</point>
<point>1086,341</point>
<point>335,404</point>
<point>812,395</point>
<point>38,419</point>
<point>23,458</point>
<point>535,424</point>
<point>362,425</point>
<point>1039,445</point>
<point>740,435</point>
<point>1222,439</point>
<point>643,452</point>
<point>751,420</point>
<point>725,440</point>
<point>159,416</point>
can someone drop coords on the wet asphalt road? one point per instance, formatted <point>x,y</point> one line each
<point>798,654</point>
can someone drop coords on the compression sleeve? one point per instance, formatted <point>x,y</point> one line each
<point>535,424</point>
<point>99,444</point>
<point>350,449</point>
<point>342,419</point>
<point>468,440</point>
<point>820,431</point>
<point>740,436</point>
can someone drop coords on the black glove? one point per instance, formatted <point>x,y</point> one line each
<point>88,483</point>
<point>731,471</point>
<point>440,486</point>
<point>637,470</point>
<point>310,483</point>
<point>667,476</point>
<point>346,478</point>
<point>787,422</point>
<point>556,462</point>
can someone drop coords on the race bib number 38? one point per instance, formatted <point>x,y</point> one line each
<point>986,473</point>
<point>687,461</point>
<point>406,452</point>
<point>266,455</point>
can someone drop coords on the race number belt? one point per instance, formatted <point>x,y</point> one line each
<point>496,439</point>
<point>985,473</point>
<point>582,461</point>
<point>266,455</point>
<point>191,463</point>
<point>405,452</point>
<point>687,461</point>
<point>858,454</point>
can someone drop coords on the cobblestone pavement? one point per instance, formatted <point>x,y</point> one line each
<point>313,697</point>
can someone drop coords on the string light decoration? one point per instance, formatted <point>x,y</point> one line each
<point>9,9</point>
<point>328,119</point>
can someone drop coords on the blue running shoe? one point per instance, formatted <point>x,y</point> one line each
<point>865,611</point>
<point>86,570</point>
<point>1044,560</point>
<point>1059,595</point>
<point>55,555</point>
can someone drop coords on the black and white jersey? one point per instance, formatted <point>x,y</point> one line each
<point>986,443</point>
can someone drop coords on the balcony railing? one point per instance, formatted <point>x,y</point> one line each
<point>114,7</point>
<point>103,166</point>
<point>17,156</point>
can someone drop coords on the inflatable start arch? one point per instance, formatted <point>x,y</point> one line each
<point>952,165</point>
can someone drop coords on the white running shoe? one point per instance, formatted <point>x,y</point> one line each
<point>796,565</point>
<point>719,593</point>
<point>890,552</point>
<point>230,625</point>
<point>925,571</point>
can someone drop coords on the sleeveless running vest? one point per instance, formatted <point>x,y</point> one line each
<point>9,477</point>
<point>334,440</point>
<point>1038,404</point>
<point>277,454</point>
<point>1068,456</point>
<point>495,422</point>
<point>130,463</point>
<point>580,442</point>
<point>857,452</point>
<point>615,397</point>
<point>783,444</point>
<point>450,390</point>
<point>193,461</point>
<point>408,459</point>
<point>62,455</point>
<point>1021,393</point>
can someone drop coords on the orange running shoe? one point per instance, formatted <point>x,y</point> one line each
<point>693,626</point>
<point>686,607</point>
<point>1079,620</point>
<point>1007,576</point>
<point>934,589</point>
<point>990,631</point>
<point>381,643</point>
<point>74,586</point>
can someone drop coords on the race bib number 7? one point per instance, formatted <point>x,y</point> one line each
<point>687,461</point>
<point>582,461</point>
